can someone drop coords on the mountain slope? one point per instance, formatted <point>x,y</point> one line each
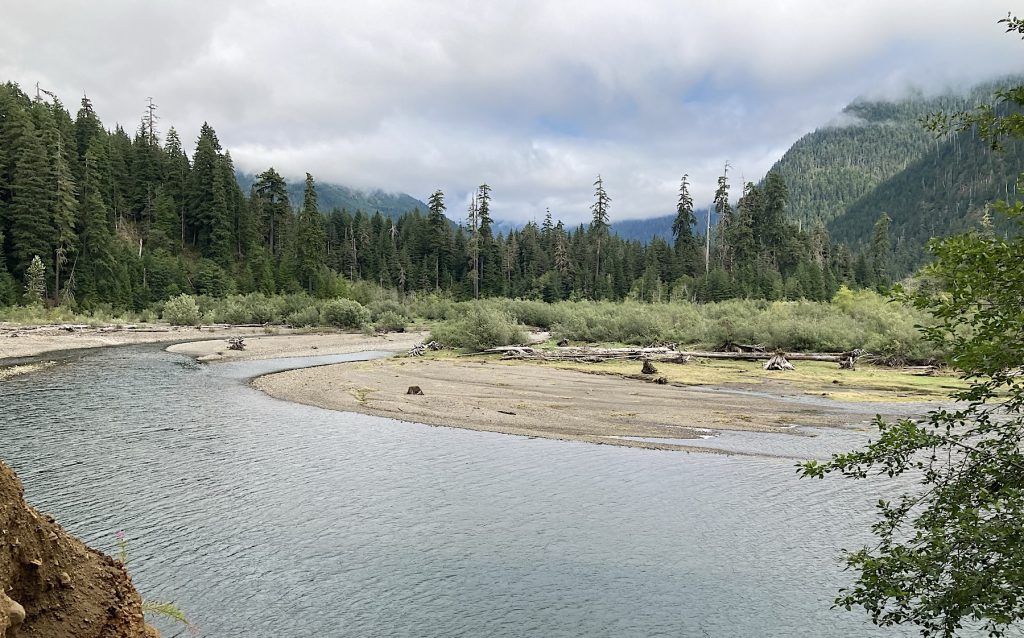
<point>331,196</point>
<point>945,191</point>
<point>831,168</point>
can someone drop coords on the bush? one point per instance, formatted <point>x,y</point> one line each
<point>304,318</point>
<point>390,322</point>
<point>480,328</point>
<point>181,311</point>
<point>382,307</point>
<point>344,313</point>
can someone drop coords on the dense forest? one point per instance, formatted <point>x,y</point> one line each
<point>880,159</point>
<point>91,216</point>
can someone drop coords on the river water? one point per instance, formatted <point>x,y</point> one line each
<point>265,518</point>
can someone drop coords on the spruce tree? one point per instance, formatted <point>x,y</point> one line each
<point>271,208</point>
<point>35,282</point>
<point>437,228</point>
<point>599,226</point>
<point>880,250</point>
<point>31,228</point>
<point>310,239</point>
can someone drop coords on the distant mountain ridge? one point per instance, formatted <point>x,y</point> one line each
<point>331,196</point>
<point>829,169</point>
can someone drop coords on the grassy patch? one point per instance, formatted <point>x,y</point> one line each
<point>867,383</point>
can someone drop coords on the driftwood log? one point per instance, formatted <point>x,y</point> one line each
<point>594,355</point>
<point>236,343</point>
<point>778,362</point>
<point>420,349</point>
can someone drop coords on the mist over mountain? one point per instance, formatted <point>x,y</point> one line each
<point>331,196</point>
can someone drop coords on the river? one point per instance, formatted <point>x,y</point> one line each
<point>265,518</point>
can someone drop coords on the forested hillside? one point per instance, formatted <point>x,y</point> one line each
<point>92,217</point>
<point>331,196</point>
<point>644,230</point>
<point>829,169</point>
<point>947,190</point>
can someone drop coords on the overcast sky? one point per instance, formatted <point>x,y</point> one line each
<point>534,97</point>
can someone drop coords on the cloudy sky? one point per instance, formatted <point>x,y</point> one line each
<point>534,97</point>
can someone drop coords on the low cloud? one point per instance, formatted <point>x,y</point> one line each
<point>536,98</point>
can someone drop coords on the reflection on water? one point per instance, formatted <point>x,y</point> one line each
<point>265,518</point>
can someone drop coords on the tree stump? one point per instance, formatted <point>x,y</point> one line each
<point>236,343</point>
<point>648,368</point>
<point>848,360</point>
<point>414,389</point>
<point>778,362</point>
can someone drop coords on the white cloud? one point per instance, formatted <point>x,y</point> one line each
<point>534,97</point>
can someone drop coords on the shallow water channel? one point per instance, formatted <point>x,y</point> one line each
<point>265,518</point>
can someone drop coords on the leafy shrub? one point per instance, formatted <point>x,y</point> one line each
<point>480,328</point>
<point>345,313</point>
<point>304,318</point>
<point>389,322</point>
<point>382,307</point>
<point>181,311</point>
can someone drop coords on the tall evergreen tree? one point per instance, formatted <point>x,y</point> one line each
<point>310,239</point>
<point>271,208</point>
<point>437,228</point>
<point>880,249</point>
<point>599,226</point>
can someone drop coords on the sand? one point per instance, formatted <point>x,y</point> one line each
<point>543,401</point>
<point>18,342</point>
<point>298,345</point>
<point>207,343</point>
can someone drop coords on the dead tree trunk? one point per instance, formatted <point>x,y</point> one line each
<point>778,362</point>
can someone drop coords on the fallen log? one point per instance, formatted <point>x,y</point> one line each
<point>594,355</point>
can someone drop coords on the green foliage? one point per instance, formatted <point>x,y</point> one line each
<point>168,610</point>
<point>950,552</point>
<point>390,322</point>
<point>345,313</point>
<point>35,282</point>
<point>182,310</point>
<point>304,317</point>
<point>479,328</point>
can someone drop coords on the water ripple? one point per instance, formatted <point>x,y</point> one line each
<point>264,518</point>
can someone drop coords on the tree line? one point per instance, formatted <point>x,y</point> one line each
<point>91,216</point>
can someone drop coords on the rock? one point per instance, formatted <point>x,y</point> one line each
<point>661,381</point>
<point>12,614</point>
<point>415,390</point>
<point>648,368</point>
<point>65,579</point>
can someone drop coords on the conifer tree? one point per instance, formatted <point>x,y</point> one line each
<point>880,250</point>
<point>31,227</point>
<point>35,282</point>
<point>724,211</point>
<point>271,208</point>
<point>599,226</point>
<point>437,228</point>
<point>310,239</point>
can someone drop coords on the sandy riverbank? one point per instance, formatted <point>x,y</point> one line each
<point>298,345</point>
<point>207,343</point>
<point>17,342</point>
<point>544,401</point>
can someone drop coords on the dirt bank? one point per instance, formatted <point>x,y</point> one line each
<point>544,401</point>
<point>298,345</point>
<point>52,585</point>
